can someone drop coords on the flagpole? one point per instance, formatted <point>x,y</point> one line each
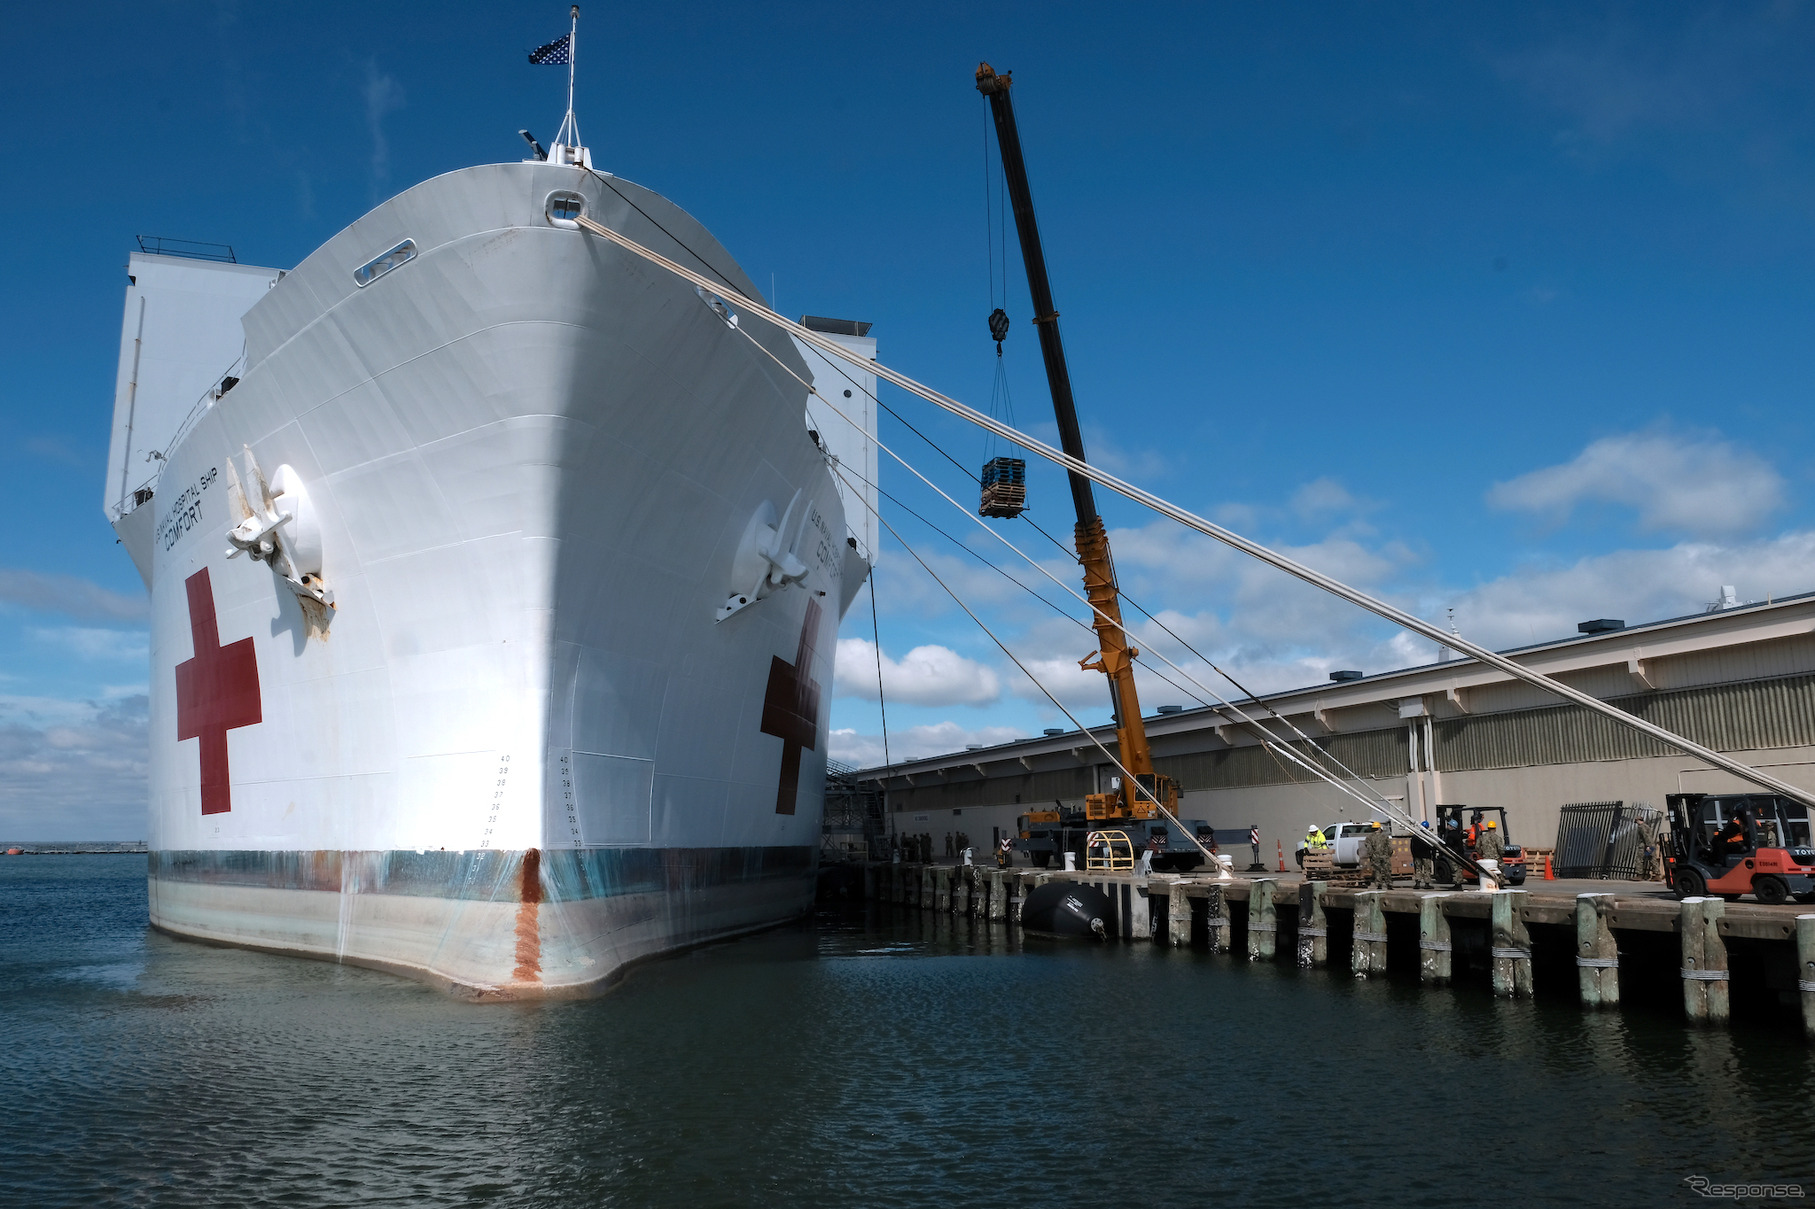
<point>573,31</point>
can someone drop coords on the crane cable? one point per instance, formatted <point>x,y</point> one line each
<point>1210,529</point>
<point>911,469</point>
<point>1070,553</point>
<point>1222,871</point>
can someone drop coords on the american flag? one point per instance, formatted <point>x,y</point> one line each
<point>557,53</point>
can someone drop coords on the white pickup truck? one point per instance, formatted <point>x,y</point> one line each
<point>1345,841</point>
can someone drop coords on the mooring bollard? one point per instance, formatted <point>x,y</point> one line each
<point>1369,953</point>
<point>1805,969</point>
<point>1178,916</point>
<point>1435,950</point>
<point>1216,915</point>
<point>1511,945</point>
<point>1705,976</point>
<point>1263,919</point>
<point>1313,926</point>
<point>1597,953</point>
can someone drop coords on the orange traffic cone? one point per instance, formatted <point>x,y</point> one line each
<point>1548,875</point>
<point>1282,855</point>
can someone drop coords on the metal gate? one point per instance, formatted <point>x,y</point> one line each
<point>1601,839</point>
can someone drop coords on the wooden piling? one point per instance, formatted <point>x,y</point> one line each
<point>1216,915</point>
<point>1369,953</point>
<point>998,894</point>
<point>1435,949</point>
<point>1313,925</point>
<point>1263,919</point>
<point>1511,943</point>
<point>1597,954</point>
<point>1705,976</point>
<point>1805,970</point>
<point>961,889</point>
<point>1178,916</point>
<point>926,888</point>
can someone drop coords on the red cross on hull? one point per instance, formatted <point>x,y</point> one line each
<point>216,691</point>
<point>791,709</point>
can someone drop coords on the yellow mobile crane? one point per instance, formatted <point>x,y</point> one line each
<point>1113,656</point>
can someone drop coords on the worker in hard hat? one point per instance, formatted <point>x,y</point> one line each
<point>1424,856</point>
<point>1377,857</point>
<point>1315,840</point>
<point>1492,845</point>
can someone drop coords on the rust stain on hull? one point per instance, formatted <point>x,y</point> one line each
<point>529,930</point>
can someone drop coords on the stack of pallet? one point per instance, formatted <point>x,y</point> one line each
<point>1322,867</point>
<point>1004,487</point>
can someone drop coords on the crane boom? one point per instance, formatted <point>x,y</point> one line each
<point>1114,657</point>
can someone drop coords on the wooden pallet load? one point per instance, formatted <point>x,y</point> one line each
<point>1322,867</point>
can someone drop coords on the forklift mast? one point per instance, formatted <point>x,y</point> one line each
<point>1113,656</point>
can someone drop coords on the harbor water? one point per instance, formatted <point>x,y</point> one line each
<point>870,1056</point>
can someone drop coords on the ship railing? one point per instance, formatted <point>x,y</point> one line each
<point>141,495</point>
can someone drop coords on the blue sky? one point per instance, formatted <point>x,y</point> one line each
<point>1504,309</point>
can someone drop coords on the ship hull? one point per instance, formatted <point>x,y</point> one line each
<point>522,750</point>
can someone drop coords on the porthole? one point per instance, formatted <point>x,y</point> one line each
<point>564,207</point>
<point>373,269</point>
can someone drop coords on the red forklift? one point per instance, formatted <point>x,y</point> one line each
<point>1740,843</point>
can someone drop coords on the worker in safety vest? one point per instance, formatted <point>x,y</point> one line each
<point>1314,839</point>
<point>1005,852</point>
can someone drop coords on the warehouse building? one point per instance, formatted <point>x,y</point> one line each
<point>1739,679</point>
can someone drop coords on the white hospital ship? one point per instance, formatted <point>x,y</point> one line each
<point>495,576</point>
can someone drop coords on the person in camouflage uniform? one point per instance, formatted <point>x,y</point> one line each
<point>1424,854</point>
<point>1651,857</point>
<point>1377,857</point>
<point>1492,847</point>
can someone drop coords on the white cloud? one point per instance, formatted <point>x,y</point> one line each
<point>927,675</point>
<point>914,742</point>
<point>1634,585</point>
<point>1324,497</point>
<point>70,596</point>
<point>72,769</point>
<point>1686,483</point>
<point>97,644</point>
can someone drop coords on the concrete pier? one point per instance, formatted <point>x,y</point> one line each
<point>1494,936</point>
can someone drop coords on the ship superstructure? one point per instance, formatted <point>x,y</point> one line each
<point>494,580</point>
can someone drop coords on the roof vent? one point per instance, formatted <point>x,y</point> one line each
<point>1346,674</point>
<point>1600,625</point>
<point>1053,730</point>
<point>1172,709</point>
